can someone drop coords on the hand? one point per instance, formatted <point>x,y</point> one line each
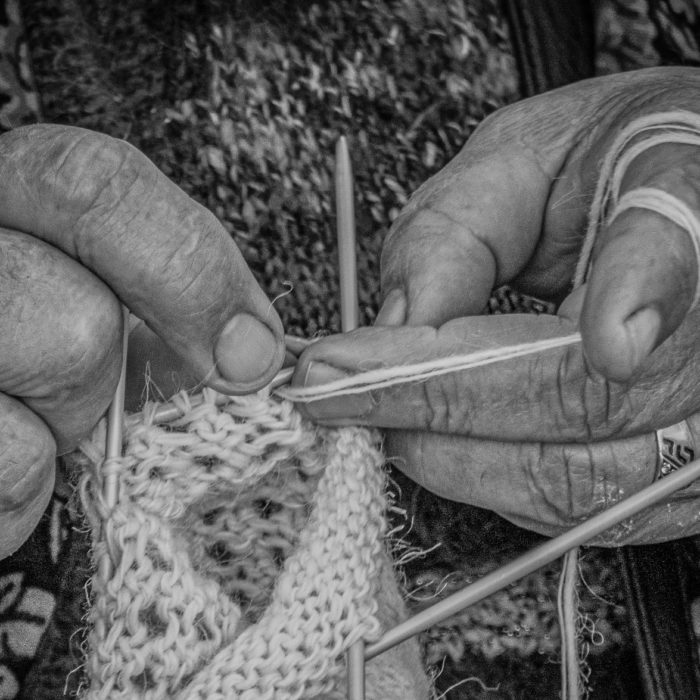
<point>548,439</point>
<point>89,222</point>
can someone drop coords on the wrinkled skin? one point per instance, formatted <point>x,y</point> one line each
<point>87,222</point>
<point>548,439</point>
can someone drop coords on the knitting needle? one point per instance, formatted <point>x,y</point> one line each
<point>356,670</point>
<point>113,442</point>
<point>168,411</point>
<point>349,320</point>
<point>347,255</point>
<point>536,558</point>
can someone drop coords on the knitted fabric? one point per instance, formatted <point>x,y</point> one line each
<point>247,551</point>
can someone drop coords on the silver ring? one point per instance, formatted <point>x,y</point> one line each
<point>675,448</point>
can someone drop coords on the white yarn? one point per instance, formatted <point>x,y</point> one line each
<point>681,136</point>
<point>679,126</point>
<point>420,371</point>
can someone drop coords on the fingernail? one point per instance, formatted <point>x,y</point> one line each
<point>393,311</point>
<point>245,349</point>
<point>643,331</point>
<point>350,406</point>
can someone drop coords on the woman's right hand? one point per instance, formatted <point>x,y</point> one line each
<point>87,222</point>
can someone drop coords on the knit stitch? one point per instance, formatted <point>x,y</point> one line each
<point>247,550</point>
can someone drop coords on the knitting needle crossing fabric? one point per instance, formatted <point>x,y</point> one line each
<point>247,555</point>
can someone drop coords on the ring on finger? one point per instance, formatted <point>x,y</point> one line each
<point>675,448</point>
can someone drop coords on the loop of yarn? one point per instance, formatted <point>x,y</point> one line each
<point>641,134</point>
<point>247,550</point>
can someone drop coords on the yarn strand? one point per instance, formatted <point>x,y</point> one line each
<point>421,371</point>
<point>651,130</point>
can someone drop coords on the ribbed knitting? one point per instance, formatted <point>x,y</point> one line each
<point>247,550</point>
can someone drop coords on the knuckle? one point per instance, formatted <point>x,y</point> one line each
<point>89,344</point>
<point>606,407</point>
<point>75,385</point>
<point>196,256</point>
<point>73,348</point>
<point>92,173</point>
<point>444,407</point>
<point>432,407</point>
<point>415,232</point>
<point>400,245</point>
<point>598,410</point>
<point>27,453</point>
<point>570,483</point>
<point>562,483</point>
<point>69,321</point>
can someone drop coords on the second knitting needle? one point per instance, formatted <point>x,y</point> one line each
<point>113,444</point>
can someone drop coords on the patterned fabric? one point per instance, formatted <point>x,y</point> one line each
<point>19,103</point>
<point>677,24</point>
<point>635,34</point>
<point>30,587</point>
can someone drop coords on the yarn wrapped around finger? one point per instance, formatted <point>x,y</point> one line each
<point>248,555</point>
<point>641,134</point>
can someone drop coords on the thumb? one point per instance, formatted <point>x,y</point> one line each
<point>642,282</point>
<point>639,291</point>
<point>103,203</point>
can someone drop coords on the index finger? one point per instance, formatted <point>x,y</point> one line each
<point>548,396</point>
<point>165,256</point>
